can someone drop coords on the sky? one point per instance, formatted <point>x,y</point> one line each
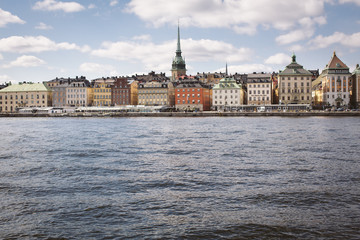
<point>44,39</point>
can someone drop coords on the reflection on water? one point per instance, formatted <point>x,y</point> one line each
<point>192,178</point>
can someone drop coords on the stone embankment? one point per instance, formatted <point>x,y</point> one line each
<point>187,114</point>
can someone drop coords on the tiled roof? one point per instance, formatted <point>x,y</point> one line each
<point>335,62</point>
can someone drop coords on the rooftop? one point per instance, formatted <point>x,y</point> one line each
<point>25,87</point>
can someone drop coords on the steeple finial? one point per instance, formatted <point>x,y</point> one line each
<point>293,58</point>
<point>178,49</point>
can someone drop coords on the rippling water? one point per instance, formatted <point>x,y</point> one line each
<point>183,178</point>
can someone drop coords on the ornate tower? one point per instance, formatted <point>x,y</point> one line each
<point>178,64</point>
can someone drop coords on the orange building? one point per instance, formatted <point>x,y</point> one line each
<point>192,95</point>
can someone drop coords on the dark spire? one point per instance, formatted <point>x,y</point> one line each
<point>226,71</point>
<point>178,49</point>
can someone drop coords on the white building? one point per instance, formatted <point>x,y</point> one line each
<point>227,94</point>
<point>295,84</point>
<point>259,89</point>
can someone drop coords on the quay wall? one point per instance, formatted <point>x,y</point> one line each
<point>187,114</point>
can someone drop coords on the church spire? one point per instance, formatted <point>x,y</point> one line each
<point>178,49</point>
<point>226,71</point>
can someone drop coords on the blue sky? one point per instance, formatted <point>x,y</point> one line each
<point>44,39</point>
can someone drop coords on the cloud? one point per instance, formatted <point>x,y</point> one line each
<point>306,30</point>
<point>52,5</point>
<point>20,44</point>
<point>6,18</point>
<point>159,56</point>
<point>5,78</point>
<point>320,41</point>
<point>243,16</point>
<point>357,2</point>
<point>278,59</point>
<point>144,37</point>
<point>97,68</point>
<point>113,3</point>
<point>91,6</point>
<point>25,61</point>
<point>43,26</point>
<point>1,57</point>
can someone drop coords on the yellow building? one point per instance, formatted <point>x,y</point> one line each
<point>102,91</point>
<point>156,94</point>
<point>134,92</point>
<point>24,95</point>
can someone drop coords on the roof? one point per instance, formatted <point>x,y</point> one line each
<point>227,83</point>
<point>336,63</point>
<point>26,87</point>
<point>294,68</point>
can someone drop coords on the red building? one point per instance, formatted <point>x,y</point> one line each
<point>192,95</point>
<point>121,92</point>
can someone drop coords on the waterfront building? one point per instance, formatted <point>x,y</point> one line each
<point>124,92</point>
<point>178,63</point>
<point>295,84</point>
<point>259,89</point>
<point>59,94</point>
<point>355,82</point>
<point>227,94</point>
<point>333,86</point>
<point>156,94</point>
<point>192,95</point>
<point>24,95</point>
<point>79,93</point>
<point>102,91</point>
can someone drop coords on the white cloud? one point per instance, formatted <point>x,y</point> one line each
<point>113,3</point>
<point>1,57</point>
<point>278,59</point>
<point>97,68</point>
<point>336,38</point>
<point>25,61</point>
<point>306,30</point>
<point>243,16</point>
<point>43,26</point>
<point>52,5</point>
<point>5,78</point>
<point>145,37</point>
<point>357,2</point>
<point>20,44</point>
<point>91,6</point>
<point>6,17</point>
<point>159,56</point>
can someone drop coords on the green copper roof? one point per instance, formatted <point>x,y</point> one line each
<point>25,87</point>
<point>294,68</point>
<point>178,61</point>
<point>227,83</point>
<point>357,69</point>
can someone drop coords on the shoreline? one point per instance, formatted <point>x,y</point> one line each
<point>187,114</point>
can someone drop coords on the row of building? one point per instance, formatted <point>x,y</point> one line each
<point>336,87</point>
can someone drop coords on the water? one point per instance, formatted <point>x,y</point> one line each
<point>180,178</point>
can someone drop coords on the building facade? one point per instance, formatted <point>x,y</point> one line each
<point>355,82</point>
<point>79,93</point>
<point>334,84</point>
<point>259,89</point>
<point>192,95</point>
<point>102,91</point>
<point>294,84</point>
<point>227,94</point>
<point>24,95</point>
<point>156,94</point>
<point>60,94</point>
<point>178,63</point>
<point>121,92</point>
